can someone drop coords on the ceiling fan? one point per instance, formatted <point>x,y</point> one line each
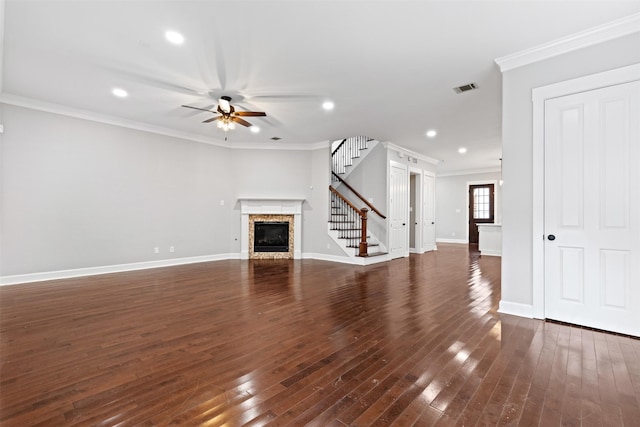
<point>228,114</point>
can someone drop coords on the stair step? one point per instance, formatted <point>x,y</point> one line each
<point>369,245</point>
<point>377,254</point>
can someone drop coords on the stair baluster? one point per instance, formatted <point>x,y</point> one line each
<point>348,149</point>
<point>350,221</point>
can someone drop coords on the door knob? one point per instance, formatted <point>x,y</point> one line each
<point>551,237</point>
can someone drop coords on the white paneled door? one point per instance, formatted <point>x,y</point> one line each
<point>398,204</point>
<point>429,217</point>
<point>592,208</point>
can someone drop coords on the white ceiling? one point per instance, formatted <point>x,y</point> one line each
<point>389,66</point>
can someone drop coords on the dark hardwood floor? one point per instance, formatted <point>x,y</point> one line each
<point>415,341</point>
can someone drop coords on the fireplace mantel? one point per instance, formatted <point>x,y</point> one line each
<point>270,206</point>
<point>263,205</point>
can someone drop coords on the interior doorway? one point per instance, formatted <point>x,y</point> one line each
<point>481,208</point>
<point>415,212</point>
<point>412,213</point>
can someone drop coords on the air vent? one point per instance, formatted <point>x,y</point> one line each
<point>465,88</point>
<point>276,138</point>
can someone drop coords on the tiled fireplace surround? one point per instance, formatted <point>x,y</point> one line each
<point>263,209</point>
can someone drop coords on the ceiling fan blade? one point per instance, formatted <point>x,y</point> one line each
<point>241,121</point>
<point>212,119</point>
<point>196,108</point>
<point>250,113</point>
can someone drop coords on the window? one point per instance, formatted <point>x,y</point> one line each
<point>481,203</point>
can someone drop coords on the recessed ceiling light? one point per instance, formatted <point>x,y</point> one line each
<point>120,93</point>
<point>174,37</point>
<point>462,150</point>
<point>431,133</point>
<point>328,105</point>
<point>255,129</point>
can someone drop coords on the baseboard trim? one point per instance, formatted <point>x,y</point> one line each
<point>491,253</point>
<point>346,260</point>
<point>464,241</point>
<point>516,309</point>
<point>107,269</point>
<point>92,271</point>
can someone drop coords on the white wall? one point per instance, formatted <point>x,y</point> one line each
<point>287,173</point>
<point>517,287</point>
<point>452,201</point>
<point>78,194</point>
<point>81,194</point>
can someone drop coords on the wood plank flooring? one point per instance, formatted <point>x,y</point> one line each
<point>411,342</point>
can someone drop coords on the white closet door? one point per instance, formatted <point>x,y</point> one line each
<point>399,204</point>
<point>592,208</point>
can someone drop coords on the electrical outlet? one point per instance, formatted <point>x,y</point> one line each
<point>221,202</point>
<point>156,250</point>
<point>172,249</point>
<point>453,234</point>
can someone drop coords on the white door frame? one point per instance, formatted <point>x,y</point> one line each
<point>539,96</point>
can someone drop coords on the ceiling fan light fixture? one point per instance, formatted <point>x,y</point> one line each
<point>226,125</point>
<point>431,133</point>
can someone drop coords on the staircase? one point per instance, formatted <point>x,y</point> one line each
<point>346,152</point>
<point>347,222</point>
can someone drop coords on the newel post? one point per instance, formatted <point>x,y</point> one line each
<point>363,236</point>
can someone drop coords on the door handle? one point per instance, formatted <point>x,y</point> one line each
<point>432,222</point>
<point>551,237</point>
<point>403,224</point>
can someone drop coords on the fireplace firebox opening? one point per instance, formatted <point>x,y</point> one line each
<point>271,236</point>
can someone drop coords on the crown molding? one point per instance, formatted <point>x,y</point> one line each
<point>469,172</point>
<point>34,104</point>
<point>408,152</point>
<point>279,146</point>
<point>602,33</point>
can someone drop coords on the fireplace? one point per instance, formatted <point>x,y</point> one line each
<point>270,236</point>
<point>270,220</point>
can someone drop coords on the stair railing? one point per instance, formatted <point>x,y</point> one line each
<point>344,212</point>
<point>346,151</point>
<point>359,196</point>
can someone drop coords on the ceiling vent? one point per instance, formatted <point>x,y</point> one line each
<point>465,88</point>
<point>276,138</point>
